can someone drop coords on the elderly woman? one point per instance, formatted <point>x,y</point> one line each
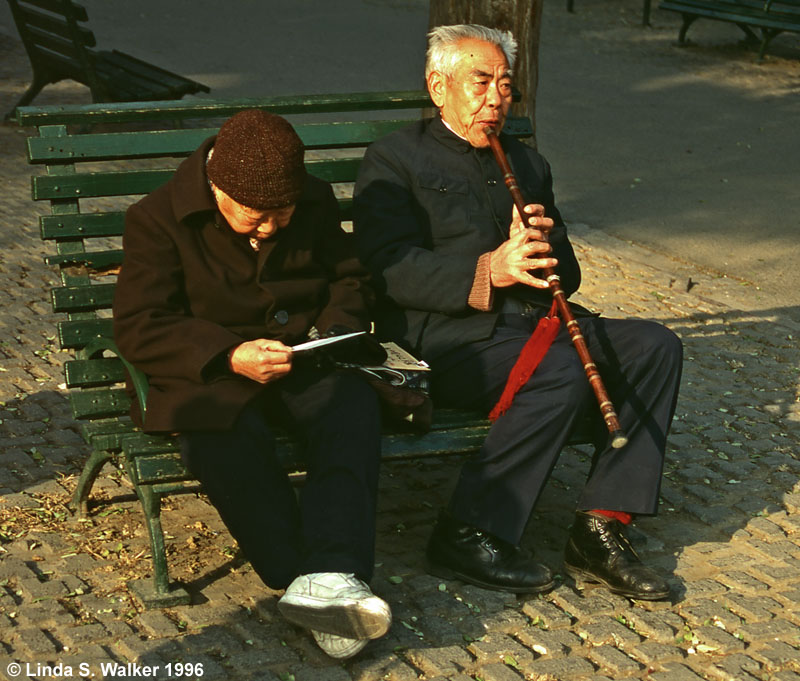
<point>236,258</point>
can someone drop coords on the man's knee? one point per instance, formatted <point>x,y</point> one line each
<point>659,341</point>
<point>563,385</point>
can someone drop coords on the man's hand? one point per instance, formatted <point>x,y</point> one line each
<point>261,360</point>
<point>525,250</point>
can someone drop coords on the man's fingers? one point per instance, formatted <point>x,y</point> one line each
<point>530,280</point>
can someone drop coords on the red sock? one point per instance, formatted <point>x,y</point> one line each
<point>624,518</point>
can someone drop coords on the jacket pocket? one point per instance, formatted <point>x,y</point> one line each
<point>445,200</point>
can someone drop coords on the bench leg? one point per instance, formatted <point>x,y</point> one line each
<point>91,469</point>
<point>646,13</point>
<point>156,593</point>
<point>39,81</point>
<point>570,5</point>
<point>688,20</point>
<point>767,35</point>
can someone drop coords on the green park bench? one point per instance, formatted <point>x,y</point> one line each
<point>770,17</point>
<point>59,48</point>
<point>113,167</point>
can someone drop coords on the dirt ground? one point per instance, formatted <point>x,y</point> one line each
<point>690,151</point>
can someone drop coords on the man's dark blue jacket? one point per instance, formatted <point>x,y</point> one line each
<point>427,205</point>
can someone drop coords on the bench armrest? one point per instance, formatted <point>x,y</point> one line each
<point>138,378</point>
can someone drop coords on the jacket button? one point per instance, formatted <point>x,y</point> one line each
<point>281,316</point>
<point>443,189</point>
<point>491,182</point>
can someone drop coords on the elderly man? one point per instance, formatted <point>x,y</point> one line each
<point>236,258</point>
<point>457,273</point>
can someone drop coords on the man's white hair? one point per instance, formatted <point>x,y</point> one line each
<point>443,52</point>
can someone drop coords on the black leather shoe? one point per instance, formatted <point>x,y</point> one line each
<point>598,550</point>
<point>458,551</point>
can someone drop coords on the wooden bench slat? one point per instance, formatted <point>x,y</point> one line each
<point>129,79</point>
<point>99,403</point>
<point>90,185</point>
<point>122,112</point>
<point>75,334</point>
<point>55,25</point>
<point>136,182</point>
<point>179,143</point>
<point>152,78</point>
<point>82,225</point>
<point>55,43</point>
<point>57,7</point>
<point>79,298</point>
<point>91,373</point>
<point>99,260</point>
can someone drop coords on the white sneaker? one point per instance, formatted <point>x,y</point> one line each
<point>336,603</point>
<point>339,647</point>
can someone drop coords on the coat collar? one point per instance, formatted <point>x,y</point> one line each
<point>442,134</point>
<point>190,191</point>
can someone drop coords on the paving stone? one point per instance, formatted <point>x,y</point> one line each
<point>775,575</point>
<point>612,661</point>
<point>675,671</point>
<point>653,626</point>
<point>555,643</point>
<point>34,643</point>
<point>506,621</point>
<point>443,661</point>
<point>545,613</point>
<point>35,590</point>
<point>717,640</point>
<point>764,631</point>
<point>320,674</point>
<point>778,655</point>
<point>702,588</point>
<point>157,624</point>
<point>442,631</point>
<point>497,648</point>
<point>785,676</point>
<point>560,668</point>
<point>606,630</point>
<point>498,672</point>
<point>702,612</point>
<point>651,653</point>
<point>752,608</point>
<point>741,581</point>
<point>585,605</point>
<point>133,648</point>
<point>44,613</point>
<point>387,667</point>
<point>82,634</point>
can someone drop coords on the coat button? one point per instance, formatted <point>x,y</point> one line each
<point>491,182</point>
<point>281,316</point>
<point>443,189</point>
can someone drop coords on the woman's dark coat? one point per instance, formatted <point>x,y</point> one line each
<point>191,288</point>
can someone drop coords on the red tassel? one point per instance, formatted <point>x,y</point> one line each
<point>622,516</point>
<point>532,354</point>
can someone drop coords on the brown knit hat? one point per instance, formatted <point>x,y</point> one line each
<point>258,160</point>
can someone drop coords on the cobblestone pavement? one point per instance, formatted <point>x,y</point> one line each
<point>728,531</point>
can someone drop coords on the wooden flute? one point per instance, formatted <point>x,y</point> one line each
<point>618,437</point>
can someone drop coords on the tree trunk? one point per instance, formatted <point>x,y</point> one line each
<point>521,17</point>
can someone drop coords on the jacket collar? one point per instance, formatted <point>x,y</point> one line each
<point>441,133</point>
<point>190,191</point>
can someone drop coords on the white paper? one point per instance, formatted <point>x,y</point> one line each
<point>320,342</point>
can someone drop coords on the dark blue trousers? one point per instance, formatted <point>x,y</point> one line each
<point>640,363</point>
<point>332,526</point>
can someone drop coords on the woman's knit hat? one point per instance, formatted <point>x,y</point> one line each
<point>258,160</point>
